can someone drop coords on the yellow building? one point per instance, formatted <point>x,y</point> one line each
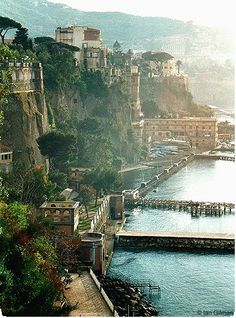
<point>198,131</point>
<point>63,214</point>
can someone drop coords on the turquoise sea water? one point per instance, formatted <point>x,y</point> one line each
<point>192,284</point>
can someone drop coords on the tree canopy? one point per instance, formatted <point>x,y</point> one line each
<point>57,146</point>
<point>7,24</point>
<point>32,186</point>
<point>157,56</point>
<point>30,282</point>
<point>22,38</point>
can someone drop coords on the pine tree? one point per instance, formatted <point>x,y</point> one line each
<point>22,38</point>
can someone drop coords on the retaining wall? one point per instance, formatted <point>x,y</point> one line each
<point>104,295</point>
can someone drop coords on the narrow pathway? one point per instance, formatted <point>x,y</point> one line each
<point>85,296</point>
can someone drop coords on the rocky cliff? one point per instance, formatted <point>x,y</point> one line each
<point>25,119</point>
<point>110,106</point>
<point>169,97</point>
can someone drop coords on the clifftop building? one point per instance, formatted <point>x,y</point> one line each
<point>92,54</point>
<point>79,36</point>
<point>26,76</point>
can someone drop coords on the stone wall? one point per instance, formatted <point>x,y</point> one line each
<point>177,243</point>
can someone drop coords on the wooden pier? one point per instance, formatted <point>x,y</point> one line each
<point>196,208</point>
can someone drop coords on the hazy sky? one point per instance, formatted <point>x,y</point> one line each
<point>217,13</point>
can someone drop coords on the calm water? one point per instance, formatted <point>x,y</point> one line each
<point>192,284</point>
<point>203,180</point>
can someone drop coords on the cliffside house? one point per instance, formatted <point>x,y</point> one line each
<point>63,214</point>
<point>6,158</point>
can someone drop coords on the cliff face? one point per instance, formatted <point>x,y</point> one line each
<point>169,95</point>
<point>110,106</point>
<point>25,119</point>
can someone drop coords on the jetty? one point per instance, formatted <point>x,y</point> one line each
<point>196,208</point>
<point>177,240</point>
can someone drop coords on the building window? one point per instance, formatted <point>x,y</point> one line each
<point>6,157</point>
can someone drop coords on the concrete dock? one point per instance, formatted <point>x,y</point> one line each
<point>177,240</point>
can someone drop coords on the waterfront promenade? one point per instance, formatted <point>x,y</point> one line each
<point>85,298</point>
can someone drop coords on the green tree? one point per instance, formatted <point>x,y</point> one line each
<point>60,69</point>
<point>94,83</point>
<point>86,194</point>
<point>22,38</point>
<point>57,147</point>
<point>89,126</point>
<point>58,178</point>
<point>103,179</point>
<point>31,187</point>
<point>7,24</point>
<point>30,282</point>
<point>43,39</point>
<point>6,84</point>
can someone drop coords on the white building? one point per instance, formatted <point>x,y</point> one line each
<point>89,41</point>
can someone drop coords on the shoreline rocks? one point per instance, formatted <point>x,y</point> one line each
<point>127,299</point>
